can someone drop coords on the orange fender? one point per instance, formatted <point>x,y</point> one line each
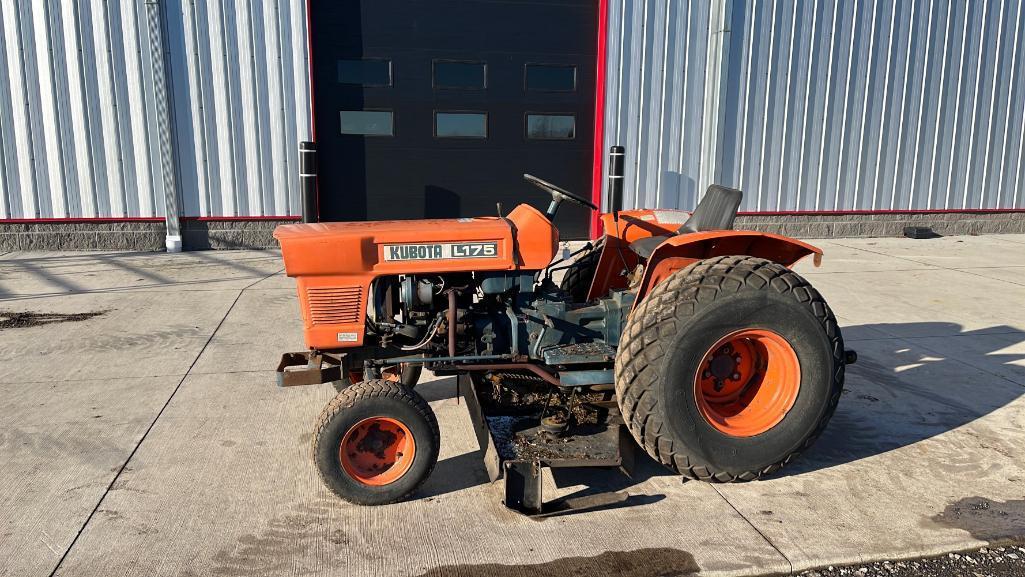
<point>679,251</point>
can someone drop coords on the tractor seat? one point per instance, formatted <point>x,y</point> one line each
<point>716,211</point>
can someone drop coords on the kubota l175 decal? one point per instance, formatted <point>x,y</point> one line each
<point>440,251</point>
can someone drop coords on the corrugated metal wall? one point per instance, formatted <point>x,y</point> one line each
<point>853,105</point>
<point>77,111</point>
<point>806,105</point>
<point>240,74</point>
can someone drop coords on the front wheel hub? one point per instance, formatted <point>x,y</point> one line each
<point>747,382</point>
<point>377,451</point>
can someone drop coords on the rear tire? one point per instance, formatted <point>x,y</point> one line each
<point>726,311</point>
<point>376,442</point>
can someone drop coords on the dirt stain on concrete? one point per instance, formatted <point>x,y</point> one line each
<point>985,519</point>
<point>283,543</point>
<point>659,562</point>
<point>26,319</point>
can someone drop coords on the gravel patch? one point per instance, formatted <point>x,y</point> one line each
<point>1006,561</point>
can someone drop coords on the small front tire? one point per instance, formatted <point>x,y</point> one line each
<point>376,442</point>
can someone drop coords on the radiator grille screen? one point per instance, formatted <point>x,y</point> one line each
<point>334,305</point>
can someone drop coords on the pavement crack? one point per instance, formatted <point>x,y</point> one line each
<point>965,270</point>
<point>904,258</point>
<point>1010,240</point>
<point>153,423</point>
<point>790,563</point>
<point>911,338</point>
<point>45,540</point>
<point>969,271</point>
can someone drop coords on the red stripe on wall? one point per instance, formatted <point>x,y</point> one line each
<point>313,107</point>
<point>599,115</point>
<point>238,218</point>
<point>78,220</point>
<point>105,220</point>
<point>865,212</point>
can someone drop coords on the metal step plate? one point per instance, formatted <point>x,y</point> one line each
<point>580,353</point>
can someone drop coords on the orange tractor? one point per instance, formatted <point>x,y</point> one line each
<point>694,341</point>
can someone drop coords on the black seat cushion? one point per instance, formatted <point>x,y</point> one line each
<point>645,246</point>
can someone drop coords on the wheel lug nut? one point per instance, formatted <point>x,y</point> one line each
<point>736,376</point>
<point>706,374</point>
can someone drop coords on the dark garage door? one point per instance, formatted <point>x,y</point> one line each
<point>436,108</point>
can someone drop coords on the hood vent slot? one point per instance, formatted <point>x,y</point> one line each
<point>334,305</point>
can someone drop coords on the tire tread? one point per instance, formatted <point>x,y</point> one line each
<point>671,303</point>
<point>376,388</point>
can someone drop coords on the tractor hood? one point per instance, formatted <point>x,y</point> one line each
<point>523,240</point>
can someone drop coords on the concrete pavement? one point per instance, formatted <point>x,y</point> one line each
<point>149,439</point>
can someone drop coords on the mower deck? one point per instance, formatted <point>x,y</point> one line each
<point>516,450</point>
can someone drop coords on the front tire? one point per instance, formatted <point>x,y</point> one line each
<point>729,369</point>
<point>376,442</point>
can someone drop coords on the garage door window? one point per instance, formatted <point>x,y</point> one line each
<point>551,126</point>
<point>372,72</point>
<point>550,78</point>
<point>461,124</point>
<point>461,75</point>
<point>367,122</point>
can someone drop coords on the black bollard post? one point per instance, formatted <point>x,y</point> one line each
<point>308,180</point>
<point>617,155</point>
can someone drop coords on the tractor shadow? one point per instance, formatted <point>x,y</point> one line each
<point>458,472</point>
<point>912,382</point>
<point>931,379</point>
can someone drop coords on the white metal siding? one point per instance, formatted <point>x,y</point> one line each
<point>78,134</point>
<point>820,105</point>
<point>805,105</point>
<point>240,73</point>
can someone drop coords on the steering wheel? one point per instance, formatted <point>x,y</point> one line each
<point>558,194</point>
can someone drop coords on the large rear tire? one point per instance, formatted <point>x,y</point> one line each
<point>729,369</point>
<point>376,442</point>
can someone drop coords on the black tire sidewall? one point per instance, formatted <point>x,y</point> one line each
<point>578,277</point>
<point>748,308</point>
<point>330,437</point>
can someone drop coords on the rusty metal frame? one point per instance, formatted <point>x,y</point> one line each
<point>320,368</point>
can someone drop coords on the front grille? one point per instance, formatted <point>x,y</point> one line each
<point>334,305</point>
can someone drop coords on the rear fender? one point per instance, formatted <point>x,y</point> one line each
<point>680,251</point>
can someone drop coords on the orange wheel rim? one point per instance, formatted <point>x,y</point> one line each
<point>747,382</point>
<point>377,451</point>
